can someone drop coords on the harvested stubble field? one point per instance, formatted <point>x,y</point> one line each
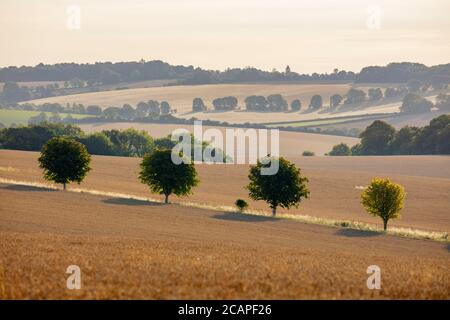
<point>291,143</point>
<point>134,249</point>
<point>180,98</point>
<point>334,183</point>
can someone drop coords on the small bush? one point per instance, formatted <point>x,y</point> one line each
<point>241,204</point>
<point>308,154</point>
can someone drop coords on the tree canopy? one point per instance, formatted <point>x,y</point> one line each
<point>284,189</point>
<point>165,177</point>
<point>64,160</point>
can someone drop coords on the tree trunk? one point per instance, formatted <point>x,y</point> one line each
<point>274,211</point>
<point>64,186</point>
<point>385,222</point>
<point>166,200</point>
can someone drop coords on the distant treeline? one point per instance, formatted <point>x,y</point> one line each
<point>380,138</point>
<point>113,73</point>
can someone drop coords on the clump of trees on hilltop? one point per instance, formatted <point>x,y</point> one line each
<point>380,138</point>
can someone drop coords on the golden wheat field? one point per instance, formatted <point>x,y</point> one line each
<point>334,183</point>
<point>291,143</point>
<point>130,248</point>
<point>143,250</point>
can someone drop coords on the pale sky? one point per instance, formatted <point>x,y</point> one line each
<point>310,36</point>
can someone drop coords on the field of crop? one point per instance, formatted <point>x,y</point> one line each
<point>324,122</point>
<point>180,98</point>
<point>144,250</point>
<point>18,117</point>
<point>334,183</point>
<point>128,248</point>
<point>397,121</point>
<point>291,143</point>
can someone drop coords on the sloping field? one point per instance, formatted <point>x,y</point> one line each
<point>291,143</point>
<point>334,183</point>
<point>397,121</point>
<point>180,98</point>
<point>133,249</point>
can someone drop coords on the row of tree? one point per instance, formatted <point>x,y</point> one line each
<point>65,160</point>
<point>150,109</point>
<point>110,73</point>
<point>380,138</point>
<point>277,103</point>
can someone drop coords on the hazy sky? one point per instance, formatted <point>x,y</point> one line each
<point>316,35</point>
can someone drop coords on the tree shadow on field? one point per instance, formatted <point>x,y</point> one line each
<point>131,202</point>
<point>352,233</point>
<point>243,217</point>
<point>448,247</point>
<point>18,187</point>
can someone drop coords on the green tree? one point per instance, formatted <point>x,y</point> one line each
<point>64,160</point>
<point>335,100</point>
<point>286,188</point>
<point>340,150</point>
<point>316,102</point>
<point>165,177</point>
<point>404,141</point>
<point>165,107</point>
<point>384,199</point>
<point>198,105</point>
<point>376,138</point>
<point>94,110</point>
<point>296,105</point>
<point>413,103</point>
<point>98,143</point>
<point>355,96</point>
<point>277,102</point>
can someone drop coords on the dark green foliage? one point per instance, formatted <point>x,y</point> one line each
<point>165,177</point>
<point>256,103</point>
<point>340,150</point>
<point>241,205</point>
<point>225,104</point>
<point>381,139</point>
<point>286,188</point>
<point>308,153</point>
<point>376,138</point>
<point>64,160</point>
<point>130,142</point>
<point>98,143</point>
<point>276,102</point>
